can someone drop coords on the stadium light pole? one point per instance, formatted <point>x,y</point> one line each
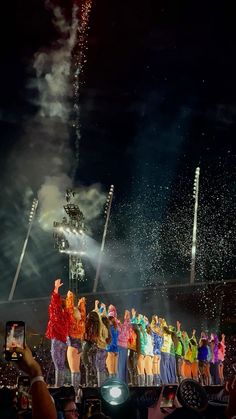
<point>194,236</point>
<point>31,219</point>
<point>107,212</point>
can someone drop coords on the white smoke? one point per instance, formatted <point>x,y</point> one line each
<point>53,70</point>
<point>51,200</point>
<point>91,200</point>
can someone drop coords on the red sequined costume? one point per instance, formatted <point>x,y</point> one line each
<point>58,324</point>
<point>57,331</point>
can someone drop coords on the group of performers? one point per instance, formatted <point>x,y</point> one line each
<point>134,349</point>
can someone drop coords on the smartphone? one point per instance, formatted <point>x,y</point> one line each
<point>91,407</point>
<point>14,338</point>
<point>23,393</point>
<point>168,396</point>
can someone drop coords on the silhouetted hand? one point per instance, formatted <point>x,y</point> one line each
<point>27,363</point>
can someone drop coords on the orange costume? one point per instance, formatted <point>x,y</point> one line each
<point>77,317</point>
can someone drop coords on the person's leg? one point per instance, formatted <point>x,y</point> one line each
<point>186,369</point>
<point>163,366</point>
<point>101,366</point>
<point>73,357</point>
<point>212,373</point>
<point>201,372</point>
<point>221,372</point>
<point>115,364</point>
<point>148,363</point>
<point>58,352</point>
<point>140,368</point>
<point>207,373</point>
<point>216,373</point>
<point>194,370</point>
<point>130,364</point>
<point>156,370</point>
<point>110,363</point>
<point>135,361</point>
<point>92,362</point>
<point>122,364</point>
<point>85,359</point>
<point>179,362</point>
<point>172,369</point>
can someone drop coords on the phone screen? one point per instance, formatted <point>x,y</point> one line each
<point>23,393</point>
<point>15,338</point>
<point>91,407</point>
<point>168,396</point>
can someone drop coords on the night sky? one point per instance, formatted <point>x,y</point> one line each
<point>157,98</point>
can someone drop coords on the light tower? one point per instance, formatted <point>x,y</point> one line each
<point>69,238</point>
<point>31,219</point>
<point>194,237</point>
<point>107,213</point>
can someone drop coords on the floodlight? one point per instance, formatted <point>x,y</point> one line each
<point>114,391</point>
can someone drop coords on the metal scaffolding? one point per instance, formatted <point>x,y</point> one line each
<point>69,239</point>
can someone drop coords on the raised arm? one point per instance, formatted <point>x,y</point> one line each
<point>42,403</point>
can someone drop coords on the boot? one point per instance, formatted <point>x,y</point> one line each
<point>139,380</point>
<point>89,382</point>
<point>156,380</point>
<point>59,378</point>
<point>101,377</point>
<point>149,380</point>
<point>142,380</point>
<point>75,380</point>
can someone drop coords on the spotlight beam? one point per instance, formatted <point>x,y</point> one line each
<point>31,219</point>
<point>107,211</point>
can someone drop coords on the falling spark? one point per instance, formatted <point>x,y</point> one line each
<point>79,60</point>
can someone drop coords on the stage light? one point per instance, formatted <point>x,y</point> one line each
<point>114,391</point>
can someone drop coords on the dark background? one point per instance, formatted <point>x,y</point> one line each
<point>157,99</point>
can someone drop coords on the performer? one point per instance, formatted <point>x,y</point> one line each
<point>165,353</point>
<point>221,357</point>
<point>112,348</point>
<point>104,339</point>
<point>133,344</point>
<point>57,331</point>
<point>172,365</point>
<point>148,358</point>
<point>123,337</point>
<point>190,363</point>
<point>90,346</point>
<point>141,350</point>
<point>179,351</point>
<point>203,359</point>
<point>214,363</point>
<point>158,341</point>
<point>77,317</point>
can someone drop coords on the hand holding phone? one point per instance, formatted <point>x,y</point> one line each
<point>14,338</point>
